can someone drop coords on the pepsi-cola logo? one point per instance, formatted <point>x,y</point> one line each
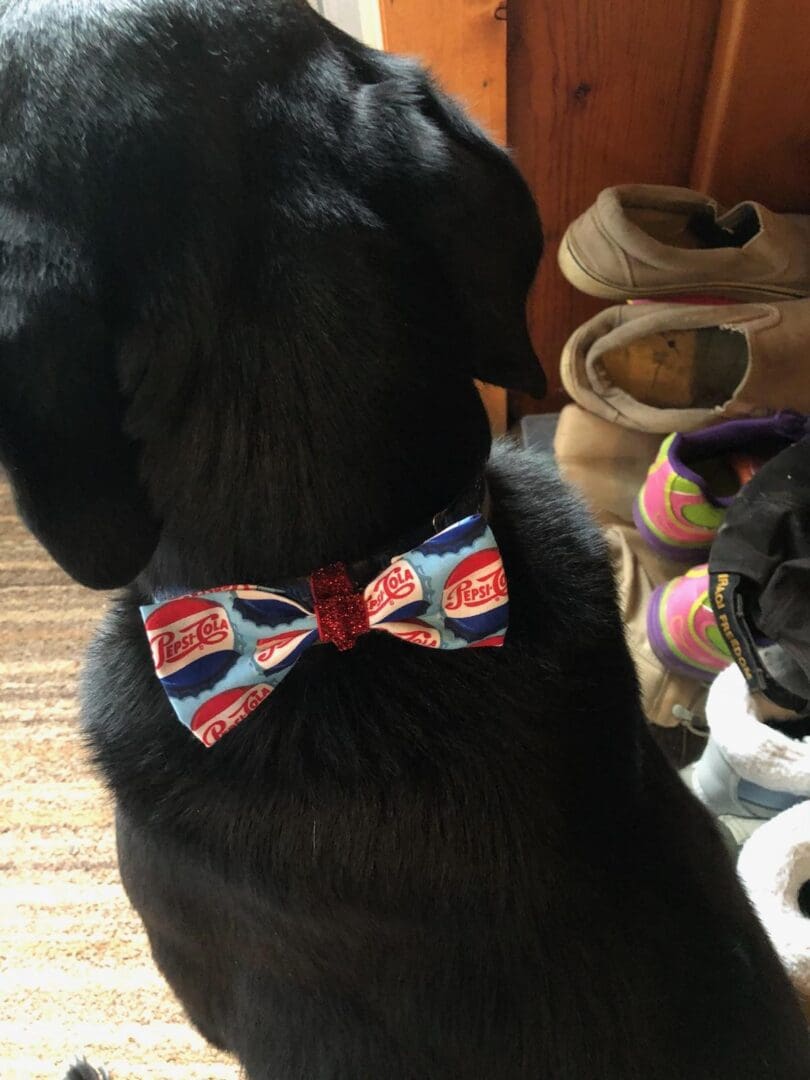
<point>416,633</point>
<point>222,713</point>
<point>477,584</point>
<point>399,588</point>
<point>185,631</point>
<point>282,650</point>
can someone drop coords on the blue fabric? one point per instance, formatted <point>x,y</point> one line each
<point>770,800</point>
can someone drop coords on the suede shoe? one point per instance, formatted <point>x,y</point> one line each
<point>680,367</point>
<point>648,241</point>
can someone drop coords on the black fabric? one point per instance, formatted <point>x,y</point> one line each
<point>760,571</point>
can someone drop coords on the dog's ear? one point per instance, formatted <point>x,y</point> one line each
<point>73,470</point>
<point>475,211</point>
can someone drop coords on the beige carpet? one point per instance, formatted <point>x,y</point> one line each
<point>76,976</point>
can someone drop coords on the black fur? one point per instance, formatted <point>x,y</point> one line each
<point>84,1071</point>
<point>248,270</point>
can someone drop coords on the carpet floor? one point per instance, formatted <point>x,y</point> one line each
<point>76,976</point>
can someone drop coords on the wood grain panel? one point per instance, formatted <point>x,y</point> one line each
<point>464,42</point>
<point>755,138</point>
<point>599,93</point>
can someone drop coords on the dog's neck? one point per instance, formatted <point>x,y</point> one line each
<point>326,478</point>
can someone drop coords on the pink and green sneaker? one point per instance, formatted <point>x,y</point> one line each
<point>696,476</point>
<point>682,629</point>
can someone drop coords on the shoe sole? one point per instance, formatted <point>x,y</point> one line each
<point>587,282</point>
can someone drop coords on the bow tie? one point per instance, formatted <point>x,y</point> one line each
<point>219,654</point>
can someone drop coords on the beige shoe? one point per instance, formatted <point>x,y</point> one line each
<point>608,465</point>
<point>679,367</point>
<point>668,699</point>
<point>643,240</point>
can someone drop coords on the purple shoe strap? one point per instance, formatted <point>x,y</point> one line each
<point>729,436</point>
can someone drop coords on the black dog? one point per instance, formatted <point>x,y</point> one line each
<point>248,271</point>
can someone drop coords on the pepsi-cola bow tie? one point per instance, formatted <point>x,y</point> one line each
<point>219,654</point>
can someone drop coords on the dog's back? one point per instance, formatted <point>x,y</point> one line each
<point>419,865</point>
<point>248,271</point>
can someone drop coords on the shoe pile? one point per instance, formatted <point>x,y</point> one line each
<point>727,383</point>
<point>699,355</point>
<point>712,351</point>
<point>679,510</point>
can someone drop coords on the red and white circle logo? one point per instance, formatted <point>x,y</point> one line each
<point>397,592</point>
<point>475,598</point>
<point>477,584</point>
<point>192,642</point>
<point>222,713</point>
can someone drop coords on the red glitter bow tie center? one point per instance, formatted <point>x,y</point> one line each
<point>340,610</point>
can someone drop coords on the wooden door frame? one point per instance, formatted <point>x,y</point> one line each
<point>463,42</point>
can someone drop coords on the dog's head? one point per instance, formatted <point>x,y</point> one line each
<point>203,203</point>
